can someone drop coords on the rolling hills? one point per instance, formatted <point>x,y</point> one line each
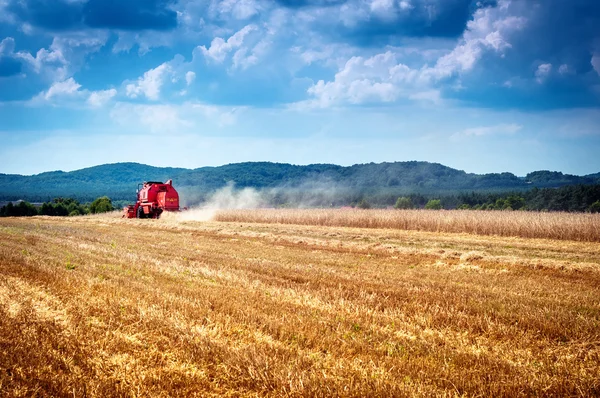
<point>119,180</point>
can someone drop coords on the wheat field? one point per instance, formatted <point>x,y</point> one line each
<point>524,224</point>
<point>101,306</point>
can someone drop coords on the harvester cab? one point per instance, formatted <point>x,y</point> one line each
<point>152,199</point>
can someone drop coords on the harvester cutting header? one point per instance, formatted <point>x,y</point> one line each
<point>152,199</point>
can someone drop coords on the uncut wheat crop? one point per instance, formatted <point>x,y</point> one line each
<point>556,225</point>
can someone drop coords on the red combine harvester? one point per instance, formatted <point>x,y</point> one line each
<point>152,199</point>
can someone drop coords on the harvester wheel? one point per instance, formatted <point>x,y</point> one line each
<point>140,212</point>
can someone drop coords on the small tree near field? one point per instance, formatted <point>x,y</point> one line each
<point>363,204</point>
<point>434,204</point>
<point>595,207</point>
<point>101,205</point>
<point>403,203</point>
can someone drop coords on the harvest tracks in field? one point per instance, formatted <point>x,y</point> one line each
<point>163,307</point>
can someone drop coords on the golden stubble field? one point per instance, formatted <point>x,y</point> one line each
<point>102,306</point>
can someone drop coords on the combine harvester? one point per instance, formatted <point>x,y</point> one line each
<point>152,199</point>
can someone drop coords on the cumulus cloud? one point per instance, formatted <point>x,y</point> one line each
<point>381,6</point>
<point>459,48</point>
<point>488,30</point>
<point>7,46</point>
<point>70,93</point>
<point>381,78</point>
<point>542,72</point>
<point>189,77</point>
<point>219,48</point>
<point>239,9</point>
<point>564,69</point>
<point>313,55</point>
<point>244,58</point>
<point>9,66</point>
<point>405,5</point>
<point>388,9</point>
<point>101,97</point>
<point>53,58</point>
<point>360,80</point>
<point>149,84</point>
<point>64,88</point>
<point>5,15</point>
<point>65,55</point>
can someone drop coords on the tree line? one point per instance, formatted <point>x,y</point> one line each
<point>576,198</point>
<point>57,207</point>
<point>572,198</point>
<point>383,180</point>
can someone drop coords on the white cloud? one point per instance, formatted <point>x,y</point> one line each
<point>240,9</point>
<point>27,28</point>
<point>596,63</point>
<point>219,48</point>
<point>243,58</point>
<point>351,14</point>
<point>381,78</point>
<point>488,30</point>
<point>542,72</point>
<point>461,59</point>
<point>564,69</point>
<point>149,84</point>
<point>64,88</point>
<point>7,46</point>
<point>68,93</point>
<point>101,97</point>
<point>145,40</point>
<point>382,6</point>
<point>189,77</point>
<point>5,15</point>
<point>310,56</point>
<point>53,57</point>
<point>360,80</point>
<point>405,5</point>
<point>65,55</point>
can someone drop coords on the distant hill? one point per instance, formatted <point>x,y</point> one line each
<point>119,181</point>
<point>553,179</point>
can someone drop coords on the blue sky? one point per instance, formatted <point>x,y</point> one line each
<point>482,86</point>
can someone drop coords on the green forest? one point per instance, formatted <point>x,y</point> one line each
<point>376,185</point>
<point>577,198</point>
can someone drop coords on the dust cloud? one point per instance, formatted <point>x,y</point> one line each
<point>225,198</point>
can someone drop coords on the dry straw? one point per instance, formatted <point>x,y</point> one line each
<point>107,307</point>
<point>558,225</point>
